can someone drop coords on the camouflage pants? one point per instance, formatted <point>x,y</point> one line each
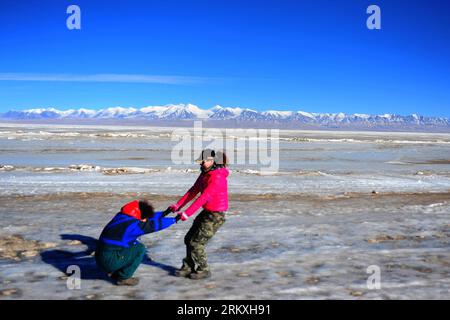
<point>203,229</point>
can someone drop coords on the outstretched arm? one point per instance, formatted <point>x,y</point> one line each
<point>192,192</point>
<point>157,223</point>
<point>199,202</point>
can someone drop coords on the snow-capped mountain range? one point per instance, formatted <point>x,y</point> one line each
<point>193,112</point>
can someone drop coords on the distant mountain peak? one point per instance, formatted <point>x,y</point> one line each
<point>191,111</point>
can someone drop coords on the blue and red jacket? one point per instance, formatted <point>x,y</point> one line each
<point>124,229</point>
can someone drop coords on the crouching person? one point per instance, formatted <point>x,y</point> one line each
<point>118,252</point>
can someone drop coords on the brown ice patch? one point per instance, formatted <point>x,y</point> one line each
<point>388,238</point>
<point>11,292</point>
<point>434,161</point>
<point>92,200</point>
<point>17,248</point>
<point>356,293</point>
<point>421,269</point>
<point>256,248</point>
<point>75,243</point>
<point>243,274</point>
<point>126,170</point>
<point>308,173</point>
<point>430,161</point>
<point>285,273</point>
<point>81,197</point>
<point>135,158</point>
<point>312,280</point>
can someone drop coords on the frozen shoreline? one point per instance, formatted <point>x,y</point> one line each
<point>175,182</point>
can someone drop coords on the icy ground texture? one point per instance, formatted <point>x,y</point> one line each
<point>293,248</point>
<point>341,202</point>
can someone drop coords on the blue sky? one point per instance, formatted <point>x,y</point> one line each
<point>316,56</point>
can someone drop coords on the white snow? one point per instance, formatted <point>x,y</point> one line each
<point>191,111</point>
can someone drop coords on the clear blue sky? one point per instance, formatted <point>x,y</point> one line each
<point>315,56</point>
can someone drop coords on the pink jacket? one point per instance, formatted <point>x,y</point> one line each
<point>213,186</point>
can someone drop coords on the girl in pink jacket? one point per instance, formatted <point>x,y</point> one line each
<point>213,186</point>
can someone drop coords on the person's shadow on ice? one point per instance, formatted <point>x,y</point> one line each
<point>85,260</point>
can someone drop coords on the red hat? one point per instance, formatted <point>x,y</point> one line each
<point>132,209</point>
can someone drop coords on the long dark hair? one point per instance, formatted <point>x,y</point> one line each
<point>220,159</point>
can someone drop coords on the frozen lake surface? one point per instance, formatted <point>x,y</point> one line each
<point>339,203</point>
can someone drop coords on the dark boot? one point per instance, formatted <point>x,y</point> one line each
<point>200,275</point>
<point>183,272</point>
<point>128,282</point>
